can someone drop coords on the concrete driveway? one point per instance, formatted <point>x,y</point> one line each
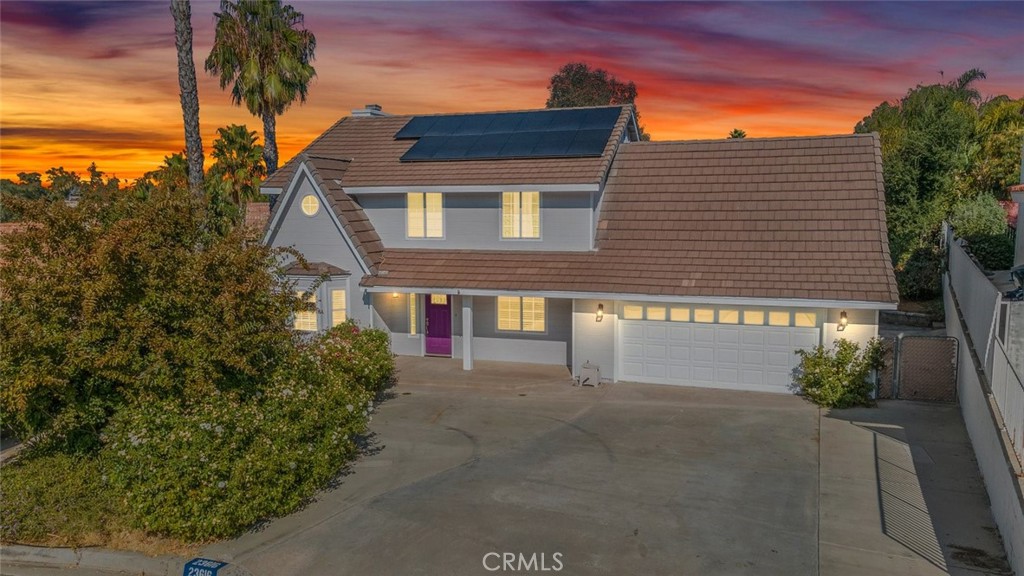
<point>511,463</point>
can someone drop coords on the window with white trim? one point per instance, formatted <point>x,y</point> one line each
<point>805,319</point>
<point>305,320</point>
<point>424,215</point>
<point>520,215</point>
<point>310,205</point>
<point>339,311</point>
<point>521,314</point>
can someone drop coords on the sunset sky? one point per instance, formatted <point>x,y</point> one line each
<point>97,81</point>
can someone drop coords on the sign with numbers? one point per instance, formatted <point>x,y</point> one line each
<point>202,567</point>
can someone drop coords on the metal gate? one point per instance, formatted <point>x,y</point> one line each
<point>919,368</point>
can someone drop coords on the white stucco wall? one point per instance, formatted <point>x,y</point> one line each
<point>594,341</point>
<point>862,327</point>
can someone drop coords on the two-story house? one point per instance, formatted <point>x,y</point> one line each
<point>555,236</point>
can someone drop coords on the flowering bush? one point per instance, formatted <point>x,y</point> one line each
<point>838,377</point>
<point>212,467</point>
<point>363,354</point>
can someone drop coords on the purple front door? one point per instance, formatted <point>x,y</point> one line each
<point>439,325</point>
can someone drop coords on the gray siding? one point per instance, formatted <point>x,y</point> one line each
<point>319,239</point>
<point>473,221</point>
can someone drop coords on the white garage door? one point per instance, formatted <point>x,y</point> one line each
<point>741,357</point>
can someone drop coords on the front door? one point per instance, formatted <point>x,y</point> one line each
<point>439,325</point>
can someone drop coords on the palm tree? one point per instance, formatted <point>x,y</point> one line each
<point>737,133</point>
<point>238,163</point>
<point>182,12</point>
<point>262,51</point>
<point>963,86</point>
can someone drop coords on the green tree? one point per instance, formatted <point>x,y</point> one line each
<point>182,12</point>
<point>737,133</point>
<point>577,84</point>
<point>261,50</point>
<point>238,164</point>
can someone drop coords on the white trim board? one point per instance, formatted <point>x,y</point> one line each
<point>725,300</point>
<point>357,190</point>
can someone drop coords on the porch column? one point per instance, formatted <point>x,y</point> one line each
<point>467,332</point>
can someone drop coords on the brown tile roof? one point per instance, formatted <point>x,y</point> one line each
<point>369,142</point>
<point>314,269</point>
<point>757,218</point>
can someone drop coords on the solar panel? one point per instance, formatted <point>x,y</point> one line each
<point>554,133</point>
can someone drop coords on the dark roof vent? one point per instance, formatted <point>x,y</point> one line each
<point>368,111</point>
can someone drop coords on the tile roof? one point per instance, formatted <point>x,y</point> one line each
<point>757,218</point>
<point>314,269</point>
<point>370,144</point>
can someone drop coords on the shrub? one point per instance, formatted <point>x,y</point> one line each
<point>994,252</point>
<point>920,277</point>
<point>122,296</point>
<point>59,499</point>
<point>212,467</point>
<point>838,377</point>
<point>363,354</point>
<point>978,216</point>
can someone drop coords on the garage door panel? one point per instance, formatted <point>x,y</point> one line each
<point>713,355</point>
<point>704,334</point>
<point>679,353</point>
<point>753,337</point>
<point>633,350</point>
<point>679,373</point>
<point>729,356</point>
<point>703,354</point>
<point>752,377</point>
<point>803,340</point>
<point>749,357</point>
<point>682,334</point>
<point>632,331</point>
<point>655,370</point>
<point>727,336</point>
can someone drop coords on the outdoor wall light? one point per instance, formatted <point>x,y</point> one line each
<point>395,295</point>
<point>600,312</point>
<point>843,321</point>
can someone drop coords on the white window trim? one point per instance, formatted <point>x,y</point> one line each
<point>444,226</point>
<point>330,293</point>
<point>521,330</point>
<point>501,217</point>
<point>302,207</point>
<point>316,313</point>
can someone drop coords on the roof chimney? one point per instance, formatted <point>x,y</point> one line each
<point>368,111</point>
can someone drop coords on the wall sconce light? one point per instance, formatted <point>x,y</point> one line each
<point>394,294</point>
<point>600,312</point>
<point>843,321</point>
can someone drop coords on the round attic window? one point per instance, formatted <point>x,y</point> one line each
<point>310,205</point>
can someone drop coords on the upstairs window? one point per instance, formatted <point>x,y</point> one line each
<point>424,215</point>
<point>524,314</point>
<point>520,215</point>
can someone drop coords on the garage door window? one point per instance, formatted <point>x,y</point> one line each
<point>655,312</point>
<point>778,318</point>
<point>630,312</point>
<point>753,317</point>
<point>704,315</point>
<point>806,319</point>
<point>680,314</point>
<point>728,316</point>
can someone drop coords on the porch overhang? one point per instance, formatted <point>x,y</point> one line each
<point>723,300</point>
